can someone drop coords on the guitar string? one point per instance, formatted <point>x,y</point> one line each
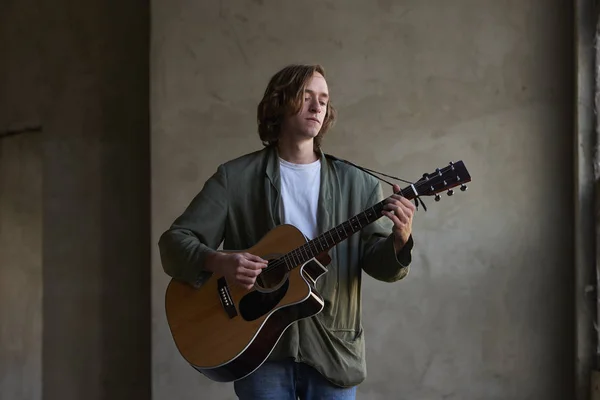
<point>297,253</point>
<point>348,226</point>
<point>360,218</point>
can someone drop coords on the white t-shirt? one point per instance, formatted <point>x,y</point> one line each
<point>300,185</point>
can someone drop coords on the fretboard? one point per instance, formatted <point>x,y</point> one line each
<point>334,236</point>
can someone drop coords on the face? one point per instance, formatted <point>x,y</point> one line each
<point>307,123</point>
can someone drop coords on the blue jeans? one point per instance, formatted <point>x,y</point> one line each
<point>289,380</point>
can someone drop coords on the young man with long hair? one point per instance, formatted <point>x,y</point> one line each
<point>292,181</point>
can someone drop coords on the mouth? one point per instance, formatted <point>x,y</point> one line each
<point>314,119</point>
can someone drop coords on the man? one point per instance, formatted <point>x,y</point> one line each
<point>292,181</point>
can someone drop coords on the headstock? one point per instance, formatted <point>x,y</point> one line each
<point>453,175</point>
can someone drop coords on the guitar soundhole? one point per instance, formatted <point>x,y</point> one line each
<point>256,304</point>
<point>269,280</point>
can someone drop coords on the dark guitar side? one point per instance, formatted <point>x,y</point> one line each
<point>228,347</point>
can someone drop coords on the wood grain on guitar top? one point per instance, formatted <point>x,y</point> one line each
<point>205,335</point>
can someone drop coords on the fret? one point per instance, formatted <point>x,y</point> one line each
<point>302,255</point>
<point>316,248</point>
<point>332,238</point>
<point>319,241</point>
<point>285,260</point>
<point>307,251</point>
<point>366,217</point>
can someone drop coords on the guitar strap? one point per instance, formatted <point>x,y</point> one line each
<point>372,172</point>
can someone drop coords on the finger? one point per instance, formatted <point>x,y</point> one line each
<point>401,215</point>
<point>392,206</point>
<point>399,200</point>
<point>396,197</point>
<point>406,206</point>
<point>392,217</point>
<point>254,258</point>
<point>398,208</point>
<point>403,202</point>
<point>248,272</point>
<point>407,203</point>
<point>252,264</point>
<point>396,188</point>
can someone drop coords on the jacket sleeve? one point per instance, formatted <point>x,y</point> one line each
<point>379,258</point>
<point>197,232</point>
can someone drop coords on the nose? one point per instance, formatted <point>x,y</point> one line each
<point>315,106</point>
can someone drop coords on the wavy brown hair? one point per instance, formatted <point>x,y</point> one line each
<point>284,96</point>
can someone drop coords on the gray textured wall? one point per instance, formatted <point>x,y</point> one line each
<point>487,309</point>
<point>21,285</point>
<point>75,217</point>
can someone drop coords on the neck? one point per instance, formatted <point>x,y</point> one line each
<point>297,152</point>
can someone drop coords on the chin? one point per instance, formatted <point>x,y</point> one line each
<point>313,132</point>
<point>308,134</point>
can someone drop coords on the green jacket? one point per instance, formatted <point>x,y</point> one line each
<point>239,204</point>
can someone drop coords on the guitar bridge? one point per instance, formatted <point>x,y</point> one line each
<point>225,297</point>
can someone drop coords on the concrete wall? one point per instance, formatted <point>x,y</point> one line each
<point>80,71</point>
<point>487,311</point>
<point>21,268</point>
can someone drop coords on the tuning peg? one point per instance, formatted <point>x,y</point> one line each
<point>463,187</point>
<point>437,197</point>
<point>450,192</point>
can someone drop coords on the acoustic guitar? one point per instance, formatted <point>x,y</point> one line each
<point>226,332</point>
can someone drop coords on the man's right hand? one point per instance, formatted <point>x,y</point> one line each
<point>239,268</point>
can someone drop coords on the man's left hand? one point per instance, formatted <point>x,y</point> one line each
<point>400,210</point>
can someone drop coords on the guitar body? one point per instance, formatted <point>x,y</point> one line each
<point>225,331</point>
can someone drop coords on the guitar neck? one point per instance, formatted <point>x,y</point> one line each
<point>343,231</point>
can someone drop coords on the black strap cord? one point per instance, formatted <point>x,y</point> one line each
<point>371,172</point>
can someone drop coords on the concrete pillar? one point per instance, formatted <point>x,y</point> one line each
<point>80,70</point>
<point>584,238</point>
